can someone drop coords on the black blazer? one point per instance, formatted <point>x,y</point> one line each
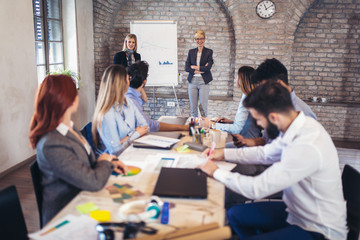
<point>206,57</point>
<point>120,58</point>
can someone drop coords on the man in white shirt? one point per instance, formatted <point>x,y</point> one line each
<point>304,164</point>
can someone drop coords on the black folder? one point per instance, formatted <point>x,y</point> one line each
<point>181,183</point>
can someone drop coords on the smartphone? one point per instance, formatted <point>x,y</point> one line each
<point>233,136</point>
<point>202,112</point>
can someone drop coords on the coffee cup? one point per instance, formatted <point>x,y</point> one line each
<point>218,137</point>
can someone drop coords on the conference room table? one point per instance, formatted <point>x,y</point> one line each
<point>183,213</point>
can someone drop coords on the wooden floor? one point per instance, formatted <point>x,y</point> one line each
<point>21,178</point>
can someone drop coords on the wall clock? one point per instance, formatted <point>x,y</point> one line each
<point>265,9</point>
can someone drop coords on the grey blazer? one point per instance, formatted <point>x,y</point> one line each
<point>206,58</point>
<point>66,170</point>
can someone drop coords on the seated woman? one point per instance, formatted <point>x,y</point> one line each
<point>66,161</point>
<point>117,121</point>
<point>243,122</point>
<point>138,73</point>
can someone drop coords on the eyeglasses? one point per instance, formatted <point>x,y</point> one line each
<point>199,39</point>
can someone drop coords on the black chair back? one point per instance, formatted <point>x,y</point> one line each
<point>351,188</point>
<point>12,222</point>
<point>86,132</point>
<point>36,179</point>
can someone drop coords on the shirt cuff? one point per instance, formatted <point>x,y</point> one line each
<point>134,136</point>
<point>220,175</point>
<point>229,154</point>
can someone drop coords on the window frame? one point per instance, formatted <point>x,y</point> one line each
<point>44,19</point>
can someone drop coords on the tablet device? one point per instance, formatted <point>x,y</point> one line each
<point>175,135</point>
<point>181,183</point>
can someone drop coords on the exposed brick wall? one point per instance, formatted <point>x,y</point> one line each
<point>239,37</point>
<point>326,54</point>
<point>190,15</point>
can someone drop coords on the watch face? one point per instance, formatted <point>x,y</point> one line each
<point>265,9</point>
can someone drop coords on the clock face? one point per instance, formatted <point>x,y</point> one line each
<point>265,9</point>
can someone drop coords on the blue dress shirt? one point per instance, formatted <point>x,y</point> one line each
<point>134,95</point>
<point>117,124</point>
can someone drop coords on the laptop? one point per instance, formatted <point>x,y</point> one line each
<point>181,183</point>
<point>175,135</point>
<point>173,120</point>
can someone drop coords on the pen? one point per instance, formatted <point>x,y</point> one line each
<point>212,148</point>
<point>167,158</point>
<point>54,228</point>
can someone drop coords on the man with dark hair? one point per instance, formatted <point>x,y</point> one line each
<point>304,164</point>
<point>273,70</point>
<point>138,73</point>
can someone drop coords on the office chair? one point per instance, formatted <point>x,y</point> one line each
<point>351,181</point>
<point>36,179</point>
<point>86,132</point>
<point>12,220</point>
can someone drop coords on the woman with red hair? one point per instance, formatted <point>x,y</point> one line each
<point>66,160</point>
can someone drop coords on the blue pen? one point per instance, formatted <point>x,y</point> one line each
<point>164,158</point>
<point>165,213</point>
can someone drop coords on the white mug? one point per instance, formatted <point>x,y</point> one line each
<point>219,137</point>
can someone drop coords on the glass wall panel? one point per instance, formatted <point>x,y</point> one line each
<point>54,30</point>
<point>55,52</point>
<point>53,9</point>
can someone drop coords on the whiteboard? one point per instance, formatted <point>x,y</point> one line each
<point>157,44</point>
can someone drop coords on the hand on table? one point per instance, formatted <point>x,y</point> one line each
<point>119,167</point>
<point>224,120</point>
<point>142,130</point>
<point>209,168</point>
<point>217,155</point>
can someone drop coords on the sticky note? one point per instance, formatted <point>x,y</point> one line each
<point>183,149</point>
<point>86,207</point>
<point>101,215</point>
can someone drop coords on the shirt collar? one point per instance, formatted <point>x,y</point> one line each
<point>63,129</point>
<point>294,128</point>
<point>134,92</point>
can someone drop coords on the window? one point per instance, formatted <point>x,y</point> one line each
<point>49,45</point>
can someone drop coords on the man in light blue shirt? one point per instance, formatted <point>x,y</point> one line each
<point>138,73</point>
<point>273,70</point>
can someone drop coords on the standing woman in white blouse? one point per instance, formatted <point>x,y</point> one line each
<point>198,64</point>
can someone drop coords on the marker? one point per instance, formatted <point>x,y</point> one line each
<point>212,148</point>
<point>54,228</point>
<point>164,158</point>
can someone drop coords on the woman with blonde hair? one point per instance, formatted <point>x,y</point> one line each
<point>243,123</point>
<point>66,160</point>
<point>117,121</point>
<point>198,64</point>
<point>129,54</point>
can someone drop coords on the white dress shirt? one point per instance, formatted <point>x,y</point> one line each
<point>305,166</point>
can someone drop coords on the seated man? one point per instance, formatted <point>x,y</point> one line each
<point>304,164</point>
<point>275,70</point>
<point>138,73</point>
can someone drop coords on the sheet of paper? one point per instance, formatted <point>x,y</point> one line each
<point>70,227</point>
<point>195,160</point>
<point>157,141</point>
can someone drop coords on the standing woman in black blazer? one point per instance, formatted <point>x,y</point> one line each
<point>198,65</point>
<point>128,55</point>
